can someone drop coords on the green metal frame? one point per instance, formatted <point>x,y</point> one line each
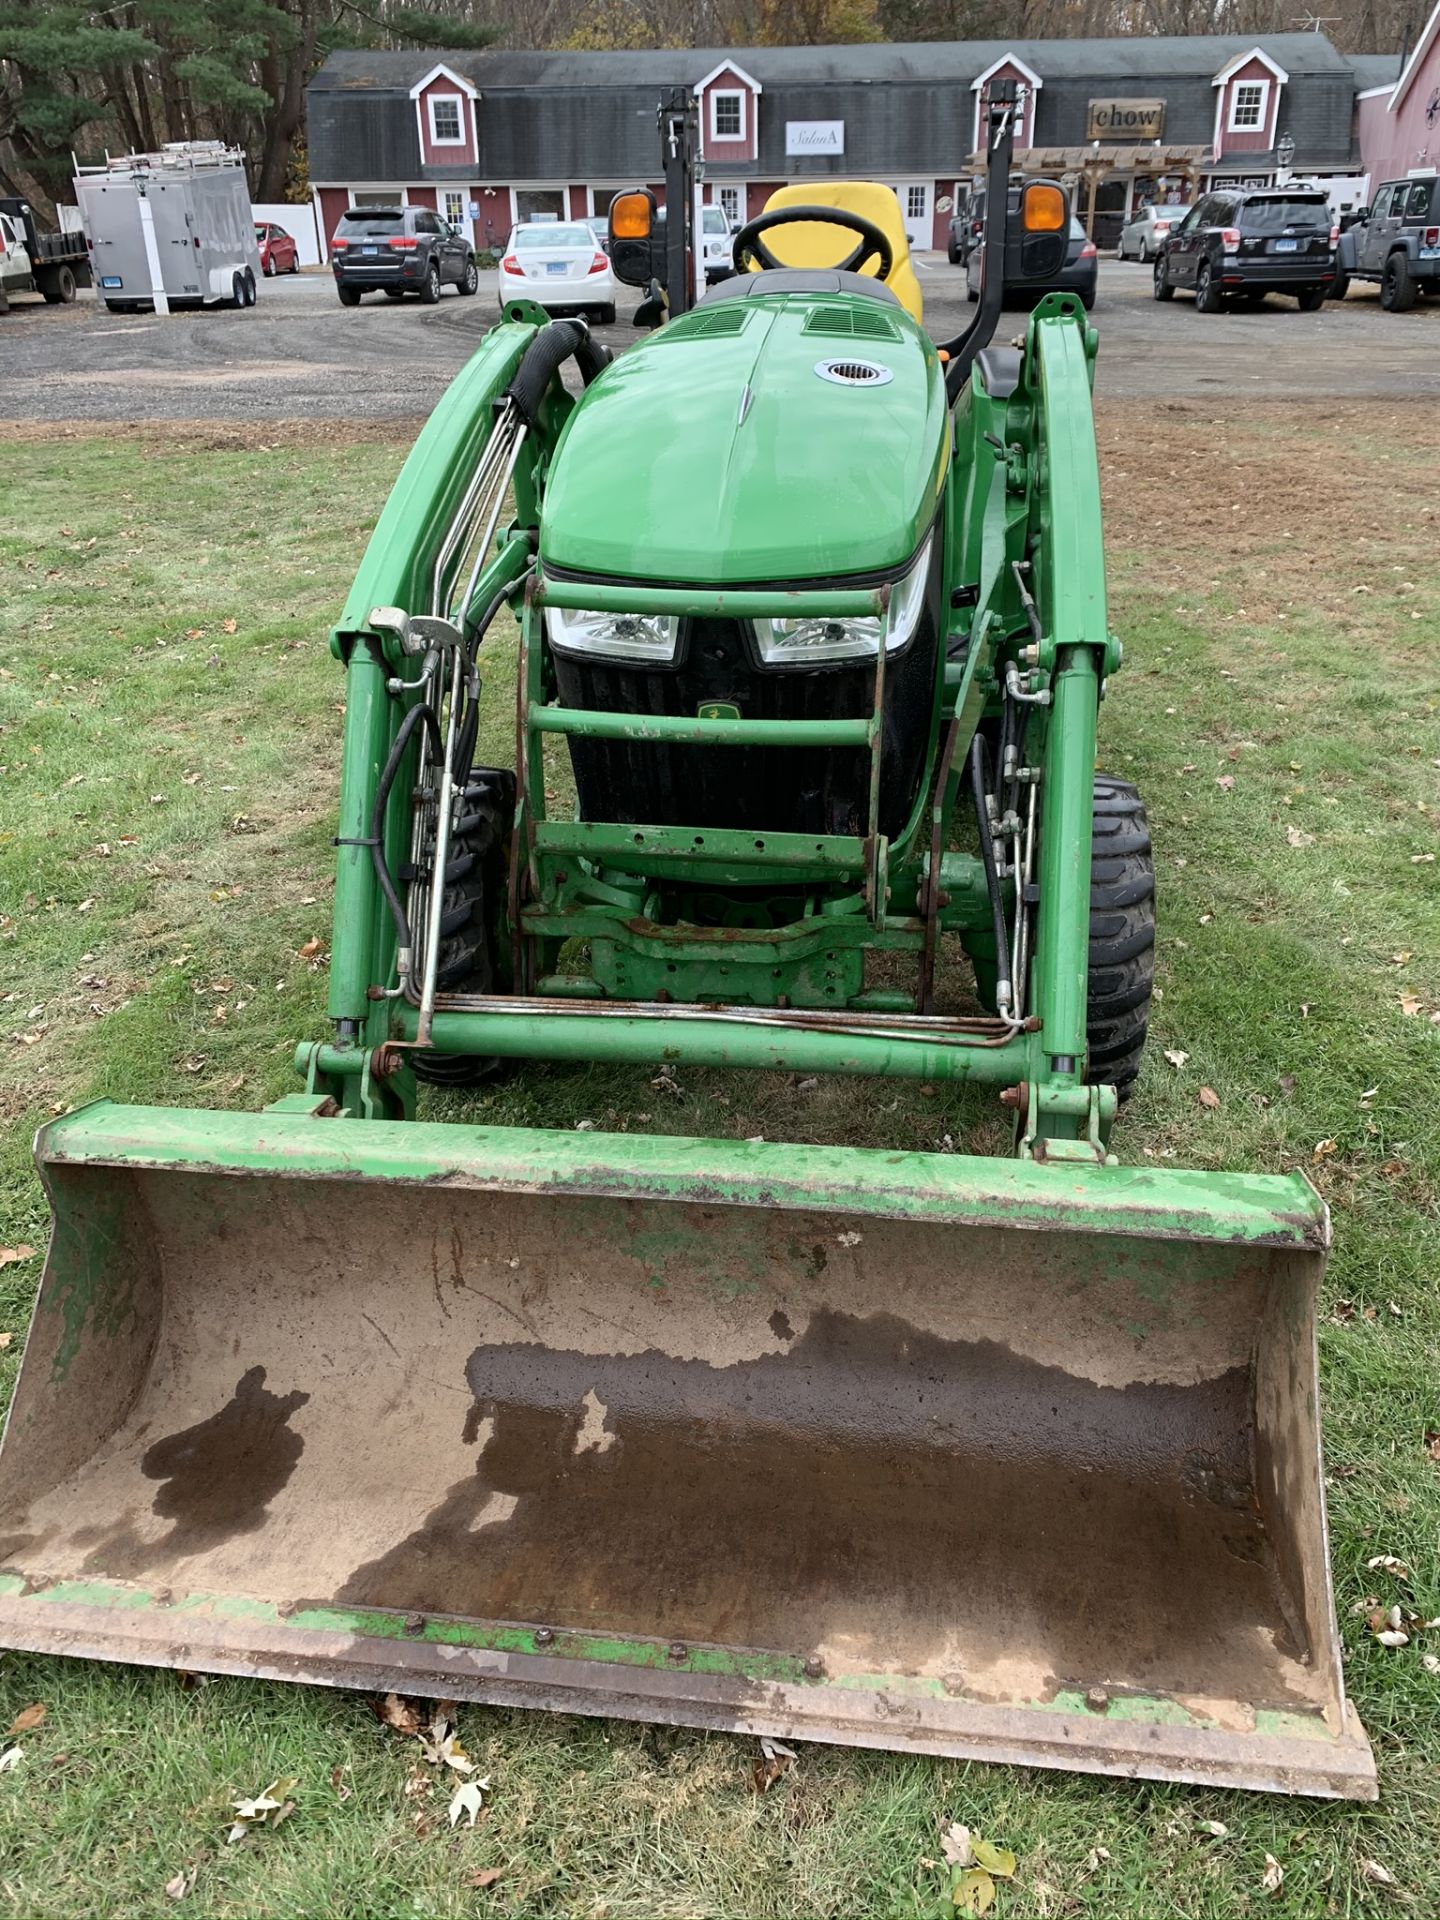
<point>1022,485</point>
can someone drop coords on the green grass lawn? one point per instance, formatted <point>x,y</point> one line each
<point>167,779</point>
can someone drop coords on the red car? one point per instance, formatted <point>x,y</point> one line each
<point>278,251</point>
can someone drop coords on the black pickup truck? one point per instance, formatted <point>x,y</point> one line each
<point>1395,240</point>
<point>52,264</point>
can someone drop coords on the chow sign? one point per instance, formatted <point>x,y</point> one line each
<point>1126,120</point>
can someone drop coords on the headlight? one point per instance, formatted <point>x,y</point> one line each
<point>785,643</point>
<point>613,636</point>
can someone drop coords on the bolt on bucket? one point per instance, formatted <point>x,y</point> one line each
<point>947,1455</point>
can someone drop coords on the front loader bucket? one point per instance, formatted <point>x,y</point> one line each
<point>949,1455</point>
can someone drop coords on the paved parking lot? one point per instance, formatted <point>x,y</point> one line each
<point>300,355</point>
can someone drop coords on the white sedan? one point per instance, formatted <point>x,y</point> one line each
<point>1140,238</point>
<point>559,264</point>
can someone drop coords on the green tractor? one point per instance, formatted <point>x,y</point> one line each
<point>1014,1458</point>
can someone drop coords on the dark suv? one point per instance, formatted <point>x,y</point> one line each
<point>1395,240</point>
<point>1241,246</point>
<point>399,250</point>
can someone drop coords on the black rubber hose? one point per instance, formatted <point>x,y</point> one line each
<point>377,818</point>
<point>544,357</point>
<point>987,856</point>
<point>592,357</point>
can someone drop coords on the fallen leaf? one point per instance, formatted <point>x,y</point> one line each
<point>180,1884</point>
<point>398,1713</point>
<point>955,1845</point>
<point>257,1812</point>
<point>483,1877</point>
<point>1208,1097</point>
<point>1273,1877</point>
<point>5,1339</point>
<point>1409,1005</point>
<point>310,949</point>
<point>1299,839</point>
<point>772,1763</point>
<point>468,1797</point>
<point>10,1254</point>
<point>1373,1871</point>
<point>1388,1563</point>
<point>1393,1637</point>
<point>973,1891</point>
<point>1095,1859</point>
<point>997,1860</point>
<point>1176,1057</point>
<point>27,1719</point>
<point>1432,1444</point>
<point>1216,1828</point>
<point>229,626</point>
<point>1430,1662</point>
<point>1323,1150</point>
<point>1287,1083</point>
<point>11,1757</point>
<point>443,1748</point>
<point>1225,782</point>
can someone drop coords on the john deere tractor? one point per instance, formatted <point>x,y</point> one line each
<point>1015,1457</point>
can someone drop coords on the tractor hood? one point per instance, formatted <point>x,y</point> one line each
<point>719,453</point>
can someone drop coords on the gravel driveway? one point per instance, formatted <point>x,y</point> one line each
<point>300,355</point>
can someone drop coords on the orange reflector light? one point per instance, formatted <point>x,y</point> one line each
<point>630,216</point>
<point>1042,208</point>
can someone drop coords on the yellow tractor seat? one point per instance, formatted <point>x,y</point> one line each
<point>809,244</point>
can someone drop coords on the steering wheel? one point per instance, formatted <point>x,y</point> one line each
<point>873,241</point>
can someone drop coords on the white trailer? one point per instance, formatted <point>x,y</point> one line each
<point>171,229</point>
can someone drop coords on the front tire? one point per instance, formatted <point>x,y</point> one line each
<point>1397,289</point>
<point>474,945</point>
<point>1163,289</point>
<point>1122,935</point>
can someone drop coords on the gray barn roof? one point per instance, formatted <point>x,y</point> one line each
<point>1374,69</point>
<point>907,109</point>
<point>956,61</point>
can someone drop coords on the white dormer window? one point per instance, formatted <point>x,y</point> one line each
<point>727,116</point>
<point>1248,101</point>
<point>447,119</point>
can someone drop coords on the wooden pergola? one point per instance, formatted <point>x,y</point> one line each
<point>1094,164</point>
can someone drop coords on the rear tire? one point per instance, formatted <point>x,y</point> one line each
<point>1122,935</point>
<point>605,316</point>
<point>1339,286</point>
<point>430,286</point>
<point>237,292</point>
<point>1208,297</point>
<point>470,282</point>
<point>1311,300</point>
<point>1163,288</point>
<point>1397,289</point>
<point>349,296</point>
<point>59,287</point>
<point>394,293</point>
<point>474,946</point>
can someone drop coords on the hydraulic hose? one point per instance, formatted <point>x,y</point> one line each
<point>407,726</point>
<point>1004,993</point>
